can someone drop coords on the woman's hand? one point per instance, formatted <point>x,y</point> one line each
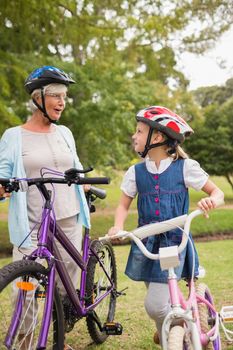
<point>86,188</point>
<point>3,193</point>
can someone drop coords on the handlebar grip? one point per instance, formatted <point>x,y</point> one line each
<point>93,181</point>
<point>219,202</point>
<point>4,182</point>
<point>99,192</point>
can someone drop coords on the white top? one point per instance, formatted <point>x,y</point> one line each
<point>48,150</point>
<point>194,175</point>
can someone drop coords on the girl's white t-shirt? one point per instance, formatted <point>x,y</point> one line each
<point>194,176</point>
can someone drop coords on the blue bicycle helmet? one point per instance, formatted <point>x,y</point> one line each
<point>45,75</point>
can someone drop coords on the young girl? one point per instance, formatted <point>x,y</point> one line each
<point>161,183</point>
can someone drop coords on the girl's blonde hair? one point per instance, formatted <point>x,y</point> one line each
<point>175,152</point>
<point>179,153</point>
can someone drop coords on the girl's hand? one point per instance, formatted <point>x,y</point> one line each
<point>113,231</point>
<point>206,204</point>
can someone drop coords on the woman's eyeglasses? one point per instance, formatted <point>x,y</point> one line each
<point>58,97</point>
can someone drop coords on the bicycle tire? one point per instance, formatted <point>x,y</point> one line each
<point>205,314</point>
<point>178,339</point>
<point>97,284</point>
<point>29,273</point>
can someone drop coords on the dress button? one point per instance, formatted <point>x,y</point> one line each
<point>156,177</point>
<point>157,212</point>
<point>156,199</point>
<point>157,187</point>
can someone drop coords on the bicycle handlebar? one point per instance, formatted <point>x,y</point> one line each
<point>18,184</point>
<point>157,228</point>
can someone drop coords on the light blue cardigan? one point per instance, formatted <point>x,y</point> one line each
<point>11,165</point>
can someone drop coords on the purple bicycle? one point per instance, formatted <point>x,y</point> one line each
<point>30,305</point>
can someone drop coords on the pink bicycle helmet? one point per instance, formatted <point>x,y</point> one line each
<point>166,121</point>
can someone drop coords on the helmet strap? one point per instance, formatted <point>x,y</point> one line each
<point>43,108</point>
<point>148,146</point>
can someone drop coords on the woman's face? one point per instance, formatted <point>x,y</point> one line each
<point>55,104</point>
<point>140,136</point>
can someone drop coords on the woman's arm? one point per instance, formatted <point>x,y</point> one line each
<point>121,214</point>
<point>215,195</point>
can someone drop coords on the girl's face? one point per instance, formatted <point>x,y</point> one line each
<point>140,136</point>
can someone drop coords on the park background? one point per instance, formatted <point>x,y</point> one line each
<point>125,55</point>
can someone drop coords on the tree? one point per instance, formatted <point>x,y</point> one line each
<point>212,144</point>
<point>121,53</point>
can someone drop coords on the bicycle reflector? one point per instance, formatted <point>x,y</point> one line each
<point>226,314</point>
<point>27,286</point>
<point>169,257</point>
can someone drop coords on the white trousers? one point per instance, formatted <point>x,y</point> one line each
<point>157,303</point>
<point>73,231</point>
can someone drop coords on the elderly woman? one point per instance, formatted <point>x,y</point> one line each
<point>39,143</point>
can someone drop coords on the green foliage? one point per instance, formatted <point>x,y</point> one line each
<point>119,52</point>
<point>212,145</point>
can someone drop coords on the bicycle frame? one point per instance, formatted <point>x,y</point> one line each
<point>47,250</point>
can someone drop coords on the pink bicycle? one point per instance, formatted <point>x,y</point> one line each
<point>193,322</point>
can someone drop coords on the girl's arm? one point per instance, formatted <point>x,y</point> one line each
<point>120,214</point>
<point>215,195</point>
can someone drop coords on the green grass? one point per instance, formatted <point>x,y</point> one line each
<point>215,256</point>
<point>220,220</point>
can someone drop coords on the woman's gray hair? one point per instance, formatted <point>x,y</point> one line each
<point>49,89</point>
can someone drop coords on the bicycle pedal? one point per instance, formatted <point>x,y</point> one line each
<point>112,328</point>
<point>227,314</point>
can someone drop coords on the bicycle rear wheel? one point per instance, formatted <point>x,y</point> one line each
<point>97,284</point>
<point>28,279</point>
<point>207,315</point>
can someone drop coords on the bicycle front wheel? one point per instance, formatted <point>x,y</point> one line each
<point>97,284</point>
<point>207,315</point>
<point>27,280</point>
<point>179,340</point>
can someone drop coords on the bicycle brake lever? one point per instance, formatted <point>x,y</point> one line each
<point>73,173</point>
<point>118,294</point>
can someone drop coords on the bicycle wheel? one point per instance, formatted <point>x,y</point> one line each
<point>178,339</point>
<point>96,285</point>
<point>28,279</point>
<point>207,315</point>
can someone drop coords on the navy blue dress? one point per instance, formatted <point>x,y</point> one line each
<point>160,197</point>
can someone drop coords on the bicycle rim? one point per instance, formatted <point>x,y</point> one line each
<point>97,285</point>
<point>27,280</point>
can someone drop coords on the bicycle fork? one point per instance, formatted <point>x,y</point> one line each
<point>178,315</point>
